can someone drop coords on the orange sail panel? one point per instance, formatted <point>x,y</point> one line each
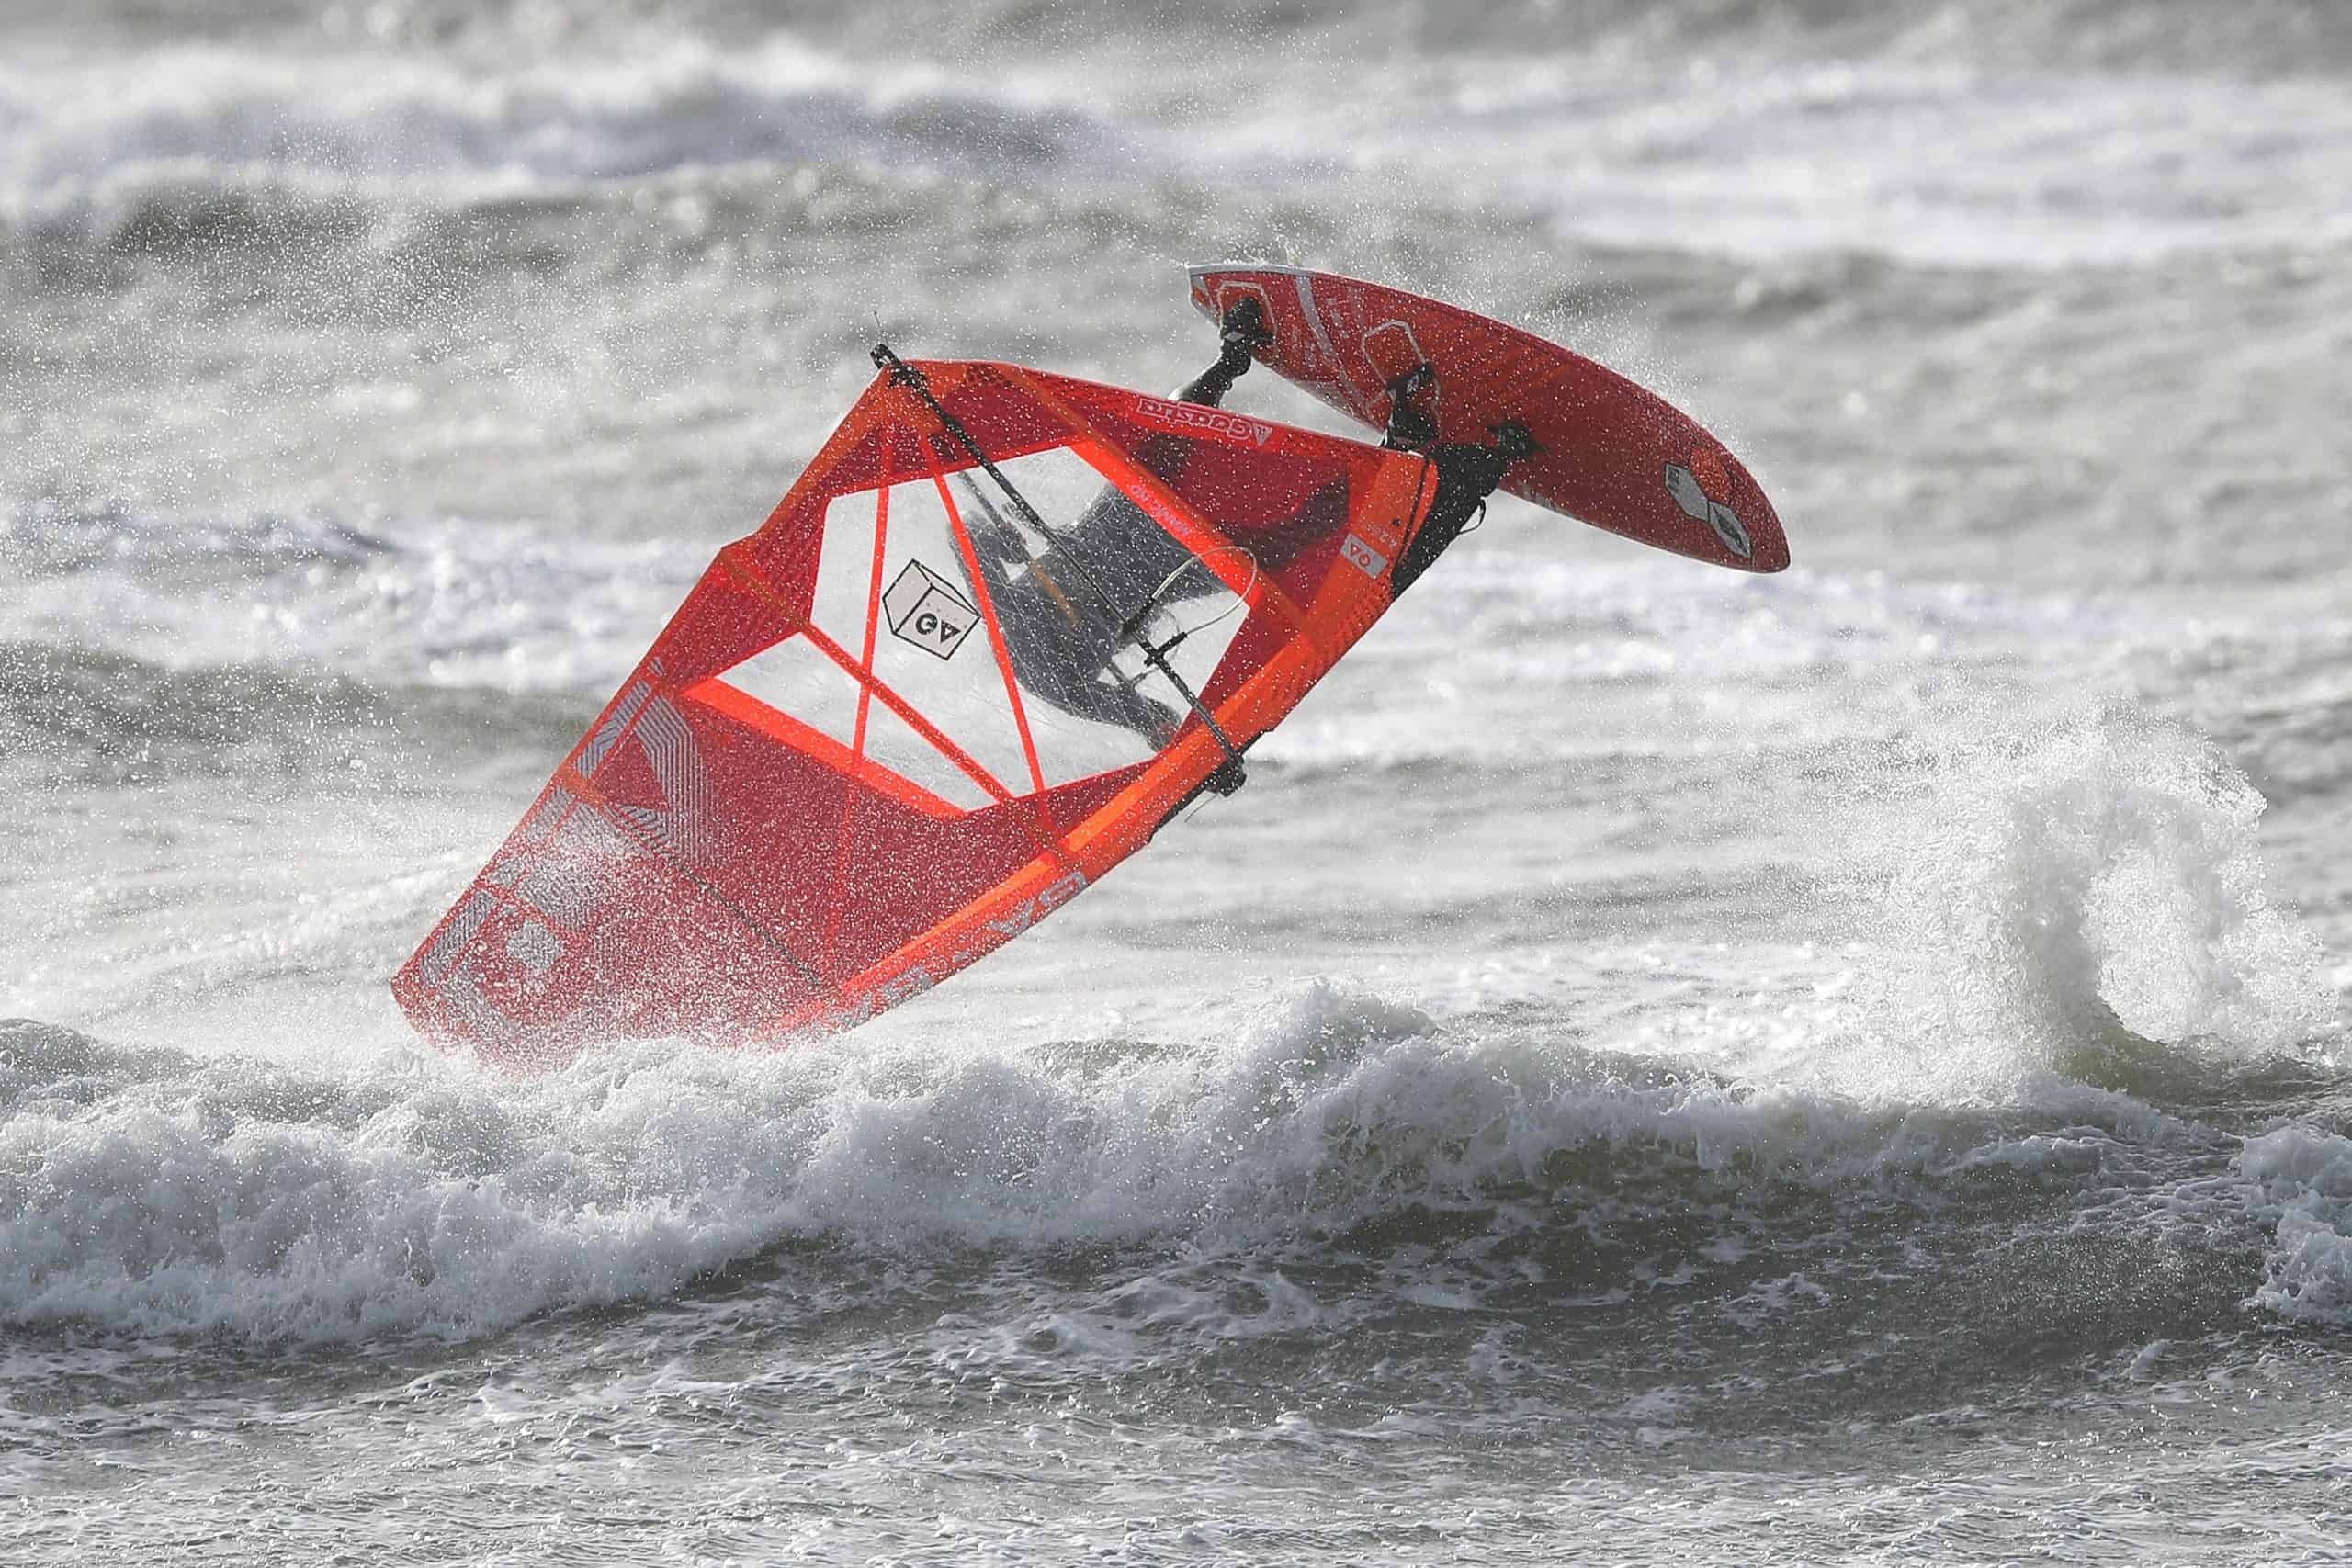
<point>912,714</point>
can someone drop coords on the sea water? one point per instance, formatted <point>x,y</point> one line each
<point>1658,1065</point>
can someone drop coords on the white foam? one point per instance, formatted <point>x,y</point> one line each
<point>1757,157</point>
<point>157,1192</point>
<point>76,128</point>
<point>2302,1183</point>
<point>1765,158</point>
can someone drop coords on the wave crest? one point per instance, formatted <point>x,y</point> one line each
<point>151,1192</point>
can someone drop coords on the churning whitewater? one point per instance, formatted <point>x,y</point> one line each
<point>1658,1063</point>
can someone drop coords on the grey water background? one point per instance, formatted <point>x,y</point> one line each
<point>1658,1065</point>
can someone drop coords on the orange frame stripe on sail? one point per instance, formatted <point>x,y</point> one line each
<point>868,681</point>
<point>996,632</point>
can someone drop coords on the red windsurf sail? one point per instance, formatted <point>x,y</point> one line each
<point>924,705</point>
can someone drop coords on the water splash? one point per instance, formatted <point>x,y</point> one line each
<point>2053,896</point>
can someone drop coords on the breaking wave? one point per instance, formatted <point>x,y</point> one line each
<point>151,1192</point>
<point>2055,891</point>
<point>185,149</point>
<point>73,132</point>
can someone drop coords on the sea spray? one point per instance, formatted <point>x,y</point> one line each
<point>2051,886</point>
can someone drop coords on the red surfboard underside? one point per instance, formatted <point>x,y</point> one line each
<point>1613,455</point>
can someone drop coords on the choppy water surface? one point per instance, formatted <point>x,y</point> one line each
<point>1657,1066</point>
